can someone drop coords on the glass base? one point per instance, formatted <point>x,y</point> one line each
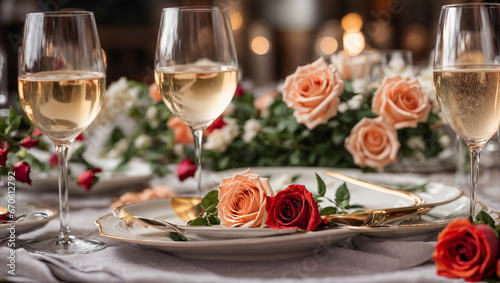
<point>68,246</point>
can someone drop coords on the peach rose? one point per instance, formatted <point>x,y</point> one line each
<point>154,93</point>
<point>401,102</point>
<point>264,101</point>
<point>242,200</point>
<point>373,143</point>
<point>182,133</point>
<point>313,92</point>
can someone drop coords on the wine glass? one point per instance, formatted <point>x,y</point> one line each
<point>196,68</point>
<point>467,76</point>
<point>61,86</point>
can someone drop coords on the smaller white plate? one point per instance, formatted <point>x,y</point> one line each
<point>218,232</point>
<point>109,181</point>
<point>28,224</point>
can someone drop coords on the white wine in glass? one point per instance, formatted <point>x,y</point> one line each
<point>467,77</point>
<point>196,68</point>
<point>61,86</point>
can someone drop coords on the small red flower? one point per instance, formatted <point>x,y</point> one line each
<point>28,142</point>
<point>80,137</point>
<point>22,172</point>
<point>3,156</point>
<point>88,178</point>
<point>217,124</point>
<point>185,169</point>
<point>293,208</point>
<point>37,133</point>
<point>53,160</point>
<point>239,92</point>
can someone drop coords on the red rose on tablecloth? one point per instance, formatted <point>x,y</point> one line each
<point>293,208</point>
<point>313,91</point>
<point>88,178</point>
<point>28,142</point>
<point>466,251</point>
<point>401,102</point>
<point>373,143</point>
<point>242,200</point>
<point>182,133</point>
<point>185,169</point>
<point>3,156</point>
<point>22,172</point>
<point>154,93</point>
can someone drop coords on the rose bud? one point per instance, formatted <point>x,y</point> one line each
<point>88,178</point>
<point>154,93</point>
<point>53,160</point>
<point>22,172</point>
<point>293,208</point>
<point>239,92</point>
<point>28,142</point>
<point>217,124</point>
<point>185,169</point>
<point>3,156</point>
<point>466,251</point>
<point>37,133</point>
<point>80,137</point>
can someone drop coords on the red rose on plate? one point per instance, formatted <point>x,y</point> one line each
<point>88,178</point>
<point>466,251</point>
<point>217,124</point>
<point>28,142</point>
<point>3,156</point>
<point>185,169</point>
<point>22,172</point>
<point>293,208</point>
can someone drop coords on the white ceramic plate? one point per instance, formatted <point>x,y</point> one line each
<point>28,224</point>
<point>109,181</point>
<point>294,245</point>
<point>244,249</point>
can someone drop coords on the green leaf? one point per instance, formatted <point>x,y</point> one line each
<point>321,185</point>
<point>295,177</point>
<point>484,218</point>
<point>14,121</point>
<point>328,210</point>
<point>342,196</point>
<point>200,221</point>
<point>412,188</point>
<point>210,199</point>
<point>3,125</point>
<point>177,237</point>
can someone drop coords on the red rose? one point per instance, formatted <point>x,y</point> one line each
<point>37,133</point>
<point>3,156</point>
<point>80,137</point>
<point>53,160</point>
<point>22,172</point>
<point>185,169</point>
<point>217,124</point>
<point>293,208</point>
<point>466,251</point>
<point>28,142</point>
<point>239,92</point>
<point>88,178</point>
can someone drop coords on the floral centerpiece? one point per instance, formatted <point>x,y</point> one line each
<point>315,119</point>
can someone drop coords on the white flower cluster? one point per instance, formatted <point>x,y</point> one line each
<point>152,116</point>
<point>250,130</point>
<point>119,148</point>
<point>220,139</point>
<point>119,98</point>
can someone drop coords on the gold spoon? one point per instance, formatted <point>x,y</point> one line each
<point>186,208</point>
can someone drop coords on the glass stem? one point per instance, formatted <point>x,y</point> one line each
<point>474,174</point>
<point>198,140</point>
<point>62,165</point>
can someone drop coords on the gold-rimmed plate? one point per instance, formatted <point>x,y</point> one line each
<point>28,224</point>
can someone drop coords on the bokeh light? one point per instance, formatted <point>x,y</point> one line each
<point>260,45</point>
<point>352,22</point>
<point>354,42</point>
<point>236,19</point>
<point>326,45</point>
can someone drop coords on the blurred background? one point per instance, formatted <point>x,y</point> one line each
<point>273,37</point>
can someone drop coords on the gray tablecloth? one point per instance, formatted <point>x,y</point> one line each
<point>360,259</point>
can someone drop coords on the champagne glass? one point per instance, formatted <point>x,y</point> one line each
<point>196,68</point>
<point>467,76</point>
<point>61,86</point>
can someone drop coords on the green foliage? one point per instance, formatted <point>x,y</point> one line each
<point>209,213</point>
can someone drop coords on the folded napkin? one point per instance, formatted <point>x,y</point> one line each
<point>52,268</point>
